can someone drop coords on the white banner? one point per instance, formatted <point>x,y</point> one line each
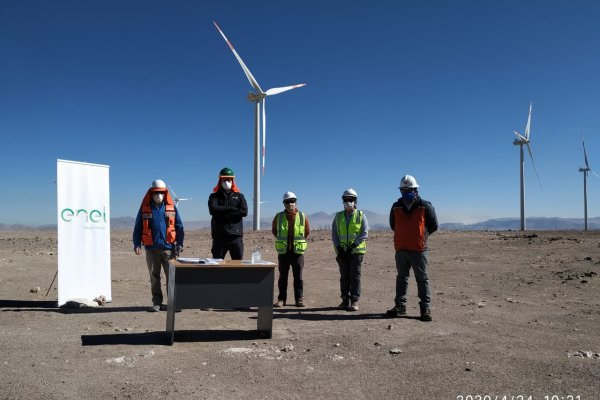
<point>83,231</point>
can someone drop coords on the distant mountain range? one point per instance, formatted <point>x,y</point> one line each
<point>322,220</point>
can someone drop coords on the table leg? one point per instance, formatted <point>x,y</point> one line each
<point>171,304</point>
<point>265,320</point>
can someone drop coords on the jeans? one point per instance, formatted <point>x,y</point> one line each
<point>232,243</point>
<point>155,258</point>
<point>350,275</point>
<point>296,261</point>
<point>418,261</point>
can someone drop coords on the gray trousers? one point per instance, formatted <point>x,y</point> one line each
<point>418,261</point>
<point>156,258</point>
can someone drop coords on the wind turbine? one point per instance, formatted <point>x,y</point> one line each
<point>520,141</point>
<point>258,98</point>
<point>175,197</point>
<point>585,171</point>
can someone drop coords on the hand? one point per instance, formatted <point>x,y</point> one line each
<point>137,250</point>
<point>352,246</point>
<point>178,250</point>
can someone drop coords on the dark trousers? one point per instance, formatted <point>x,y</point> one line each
<point>417,260</point>
<point>296,261</point>
<point>350,275</point>
<point>232,244</point>
<point>156,258</point>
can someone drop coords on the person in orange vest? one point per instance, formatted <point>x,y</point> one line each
<point>159,228</point>
<point>412,219</point>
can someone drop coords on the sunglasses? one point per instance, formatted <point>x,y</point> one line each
<point>290,201</point>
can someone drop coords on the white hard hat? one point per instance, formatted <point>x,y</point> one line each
<point>289,195</point>
<point>349,193</point>
<point>158,185</point>
<point>408,181</point>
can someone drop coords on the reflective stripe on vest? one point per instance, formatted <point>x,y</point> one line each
<point>281,244</point>
<point>171,234</point>
<point>348,233</point>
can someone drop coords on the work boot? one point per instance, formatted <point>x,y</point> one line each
<point>300,303</point>
<point>154,308</point>
<point>426,315</point>
<point>344,304</point>
<point>353,306</point>
<point>396,312</point>
<point>279,303</point>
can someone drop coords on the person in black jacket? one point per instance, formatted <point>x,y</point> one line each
<point>227,206</point>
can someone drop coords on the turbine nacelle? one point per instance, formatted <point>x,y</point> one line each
<point>255,98</point>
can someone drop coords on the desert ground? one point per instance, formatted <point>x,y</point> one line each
<point>514,314</point>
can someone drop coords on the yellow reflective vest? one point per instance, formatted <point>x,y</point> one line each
<point>349,232</point>
<point>281,244</point>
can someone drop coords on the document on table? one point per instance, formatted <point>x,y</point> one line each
<point>202,261</point>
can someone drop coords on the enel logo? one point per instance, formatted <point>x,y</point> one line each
<point>95,216</point>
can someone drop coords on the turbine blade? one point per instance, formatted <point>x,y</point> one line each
<point>251,79</point>
<point>278,90</point>
<point>174,194</point>
<point>587,165</point>
<point>533,162</point>
<point>521,137</point>
<point>528,122</point>
<point>264,134</point>
<point>594,172</point>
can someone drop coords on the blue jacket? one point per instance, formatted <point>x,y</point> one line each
<point>159,228</point>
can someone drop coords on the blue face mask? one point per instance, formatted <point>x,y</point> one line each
<point>409,196</point>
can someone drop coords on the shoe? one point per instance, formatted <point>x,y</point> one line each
<point>154,308</point>
<point>426,315</point>
<point>396,312</point>
<point>163,307</point>
<point>300,303</point>
<point>353,306</point>
<point>344,304</point>
<point>280,303</point>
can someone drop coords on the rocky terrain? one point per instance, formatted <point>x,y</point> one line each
<point>513,314</point>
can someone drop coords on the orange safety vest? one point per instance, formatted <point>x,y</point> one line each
<point>147,218</point>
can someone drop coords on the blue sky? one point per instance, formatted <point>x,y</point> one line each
<point>429,88</point>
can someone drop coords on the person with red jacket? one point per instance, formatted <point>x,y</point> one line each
<point>412,219</point>
<point>159,228</point>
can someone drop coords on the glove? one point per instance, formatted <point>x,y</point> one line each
<point>178,250</point>
<point>351,247</point>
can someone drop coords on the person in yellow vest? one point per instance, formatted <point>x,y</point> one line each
<point>349,232</point>
<point>159,228</point>
<point>290,228</point>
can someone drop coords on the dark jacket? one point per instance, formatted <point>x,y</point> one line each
<point>159,228</point>
<point>412,226</point>
<point>227,210</point>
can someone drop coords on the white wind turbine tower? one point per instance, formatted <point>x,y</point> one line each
<point>520,141</point>
<point>258,98</point>
<point>585,171</point>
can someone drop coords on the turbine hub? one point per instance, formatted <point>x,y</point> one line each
<point>253,97</point>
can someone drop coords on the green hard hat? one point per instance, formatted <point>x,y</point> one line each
<point>226,172</point>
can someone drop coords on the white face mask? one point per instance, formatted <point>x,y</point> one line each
<point>349,205</point>
<point>226,185</point>
<point>290,206</point>
<point>158,197</point>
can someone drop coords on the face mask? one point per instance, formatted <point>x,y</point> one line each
<point>409,196</point>
<point>349,205</point>
<point>158,197</point>
<point>226,185</point>
<point>290,206</point>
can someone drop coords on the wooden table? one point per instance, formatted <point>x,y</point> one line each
<point>230,284</point>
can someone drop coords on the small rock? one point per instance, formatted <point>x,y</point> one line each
<point>101,300</point>
<point>288,347</point>
<point>468,369</point>
<point>35,289</point>
<point>395,351</point>
<point>147,354</point>
<point>336,345</point>
<point>389,327</point>
<point>481,304</point>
